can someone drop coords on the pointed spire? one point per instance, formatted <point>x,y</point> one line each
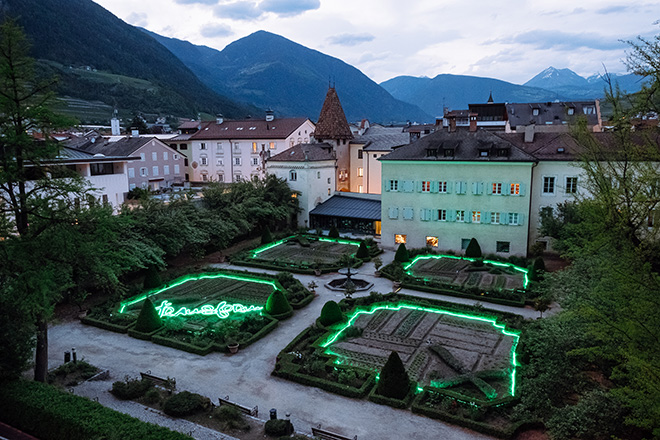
<point>332,121</point>
<point>490,98</point>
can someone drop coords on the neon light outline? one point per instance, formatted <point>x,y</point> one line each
<point>490,320</point>
<point>187,278</point>
<point>525,272</point>
<point>265,247</point>
<point>222,310</point>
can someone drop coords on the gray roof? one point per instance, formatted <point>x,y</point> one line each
<point>378,138</point>
<point>551,113</point>
<point>123,147</point>
<point>305,153</point>
<point>72,155</point>
<point>464,144</point>
<point>362,206</point>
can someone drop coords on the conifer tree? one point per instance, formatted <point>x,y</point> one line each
<point>394,381</point>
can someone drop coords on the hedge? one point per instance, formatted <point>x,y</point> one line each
<point>50,414</point>
<point>289,371</point>
<point>107,325</point>
<point>142,335</point>
<point>184,346</point>
<point>303,302</point>
<point>394,403</point>
<point>459,294</point>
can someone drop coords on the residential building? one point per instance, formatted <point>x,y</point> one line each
<point>233,150</point>
<point>552,116</point>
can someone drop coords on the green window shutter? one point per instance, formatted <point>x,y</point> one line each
<point>521,219</point>
<point>435,186</point>
<point>419,186</point>
<point>506,188</point>
<point>468,216</point>
<point>522,189</point>
<point>504,218</point>
<point>485,217</point>
<point>387,185</point>
<point>475,188</point>
<point>489,188</point>
<point>451,215</point>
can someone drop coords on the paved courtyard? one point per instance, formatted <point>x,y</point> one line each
<point>245,377</point>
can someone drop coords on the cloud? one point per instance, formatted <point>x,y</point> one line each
<point>370,57</point>
<point>289,8</point>
<point>617,9</point>
<point>350,39</point>
<point>191,2</point>
<point>240,10</point>
<point>563,41</point>
<point>137,19</point>
<point>216,30</point>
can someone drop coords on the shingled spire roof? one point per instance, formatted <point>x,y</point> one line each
<point>332,121</point>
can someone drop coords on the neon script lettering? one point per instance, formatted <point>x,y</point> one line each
<point>222,310</point>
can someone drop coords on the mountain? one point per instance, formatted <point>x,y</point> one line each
<point>457,91</point>
<point>88,48</point>
<point>552,79</point>
<point>270,71</point>
<point>568,83</point>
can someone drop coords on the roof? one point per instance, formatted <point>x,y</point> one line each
<point>249,129</point>
<point>466,145</point>
<point>72,155</point>
<point>305,153</point>
<point>180,137</point>
<point>123,147</point>
<point>350,205</point>
<point>189,125</point>
<point>551,113</point>
<point>332,121</point>
<point>378,138</point>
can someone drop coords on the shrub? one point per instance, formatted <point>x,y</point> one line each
<point>333,233</point>
<point>148,320</point>
<point>473,249</point>
<point>152,396</point>
<point>538,268</point>
<point>184,404</point>
<point>266,236</point>
<point>231,417</point>
<point>402,255</point>
<point>330,313</point>
<point>362,252</point>
<point>152,278</point>
<point>394,381</point>
<point>277,304</point>
<point>131,388</point>
<point>277,427</point>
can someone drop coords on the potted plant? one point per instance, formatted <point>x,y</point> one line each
<point>232,345</point>
<point>317,267</point>
<point>312,287</point>
<point>377,264</point>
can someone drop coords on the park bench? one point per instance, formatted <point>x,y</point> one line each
<point>244,409</point>
<point>168,384</point>
<point>328,435</point>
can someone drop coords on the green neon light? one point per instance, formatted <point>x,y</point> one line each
<point>265,247</point>
<point>222,310</point>
<point>525,272</point>
<point>490,320</point>
<point>185,279</point>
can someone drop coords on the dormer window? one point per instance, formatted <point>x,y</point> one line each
<point>431,152</point>
<point>449,152</point>
<point>502,152</point>
<point>560,150</point>
<point>571,111</point>
<point>535,111</point>
<point>239,128</point>
<point>483,153</point>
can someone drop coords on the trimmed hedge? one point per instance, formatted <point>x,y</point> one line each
<point>107,325</point>
<point>142,335</point>
<point>459,294</point>
<point>148,320</point>
<point>330,314</point>
<point>50,414</point>
<point>290,372</point>
<point>390,401</point>
<point>179,345</point>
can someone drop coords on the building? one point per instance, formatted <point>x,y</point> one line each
<point>552,116</point>
<point>158,166</point>
<point>234,150</point>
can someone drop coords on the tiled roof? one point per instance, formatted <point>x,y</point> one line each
<point>465,146</point>
<point>551,113</point>
<point>332,121</point>
<point>73,155</point>
<point>189,125</point>
<point>350,206</point>
<point>305,153</point>
<point>378,138</point>
<point>250,129</point>
<point>123,147</point>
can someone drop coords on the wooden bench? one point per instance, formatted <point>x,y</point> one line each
<point>328,435</point>
<point>168,384</point>
<point>244,409</point>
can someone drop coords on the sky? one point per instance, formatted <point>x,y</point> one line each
<point>511,40</point>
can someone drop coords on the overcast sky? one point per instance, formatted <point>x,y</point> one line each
<point>511,40</point>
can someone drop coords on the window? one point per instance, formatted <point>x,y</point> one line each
<point>432,241</point>
<point>175,156</point>
<point>219,162</point>
<point>221,177</point>
<point>442,215</point>
<point>202,146</point>
<point>393,212</point>
<point>328,191</point>
<point>394,185</point>
<point>514,218</point>
<point>495,218</point>
<point>166,170</point>
<point>589,110</point>
<point>205,177</point>
<point>254,147</point>
<point>476,216</point>
<point>237,178</point>
<point>131,172</point>
<point>360,154</point>
<point>204,160</point>
<point>177,170</point>
<point>237,147</point>
<point>426,186</point>
<point>272,145</point>
<point>360,188</point>
<point>360,172</point>
<point>515,189</point>
<point>154,171</point>
<point>548,185</point>
<point>449,152</point>
<point>442,187</point>
<point>497,188</point>
<point>183,147</point>
<point>464,243</point>
<point>535,112</point>
<point>571,185</point>
<point>483,153</point>
<point>165,155</point>
<point>142,157</point>
<point>503,246</point>
<point>408,213</point>
<point>329,180</point>
<point>571,111</point>
<point>293,176</point>
<point>218,148</point>
<point>460,216</point>
<point>131,186</point>
<point>185,162</point>
<point>400,238</point>
<point>99,169</point>
<point>318,174</point>
<point>237,161</point>
<point>144,172</point>
<point>255,161</point>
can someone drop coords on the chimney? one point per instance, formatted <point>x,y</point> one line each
<point>219,119</point>
<point>270,115</point>
<point>473,122</point>
<point>529,134</point>
<point>452,124</point>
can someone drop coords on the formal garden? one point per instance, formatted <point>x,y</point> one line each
<point>210,311</point>
<point>446,361</point>
<point>308,254</point>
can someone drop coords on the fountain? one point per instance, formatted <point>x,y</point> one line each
<point>348,283</point>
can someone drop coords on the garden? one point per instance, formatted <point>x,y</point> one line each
<point>213,311</point>
<point>447,361</point>
<point>308,254</point>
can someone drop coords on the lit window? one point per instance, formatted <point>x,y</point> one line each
<point>460,216</point>
<point>497,188</point>
<point>476,216</point>
<point>360,172</point>
<point>400,238</point>
<point>394,185</point>
<point>548,185</point>
<point>495,218</point>
<point>360,189</point>
<point>426,186</point>
<point>571,185</point>
<point>515,189</point>
<point>503,246</point>
<point>254,147</point>
<point>432,241</point>
<point>442,215</point>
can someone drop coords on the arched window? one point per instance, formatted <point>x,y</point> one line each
<point>293,176</point>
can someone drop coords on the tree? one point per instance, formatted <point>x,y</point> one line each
<point>402,255</point>
<point>393,381</point>
<point>362,252</point>
<point>333,232</point>
<point>473,249</point>
<point>266,236</point>
<point>331,313</point>
<point>138,123</point>
<point>148,320</point>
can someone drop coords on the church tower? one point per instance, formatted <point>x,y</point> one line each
<point>333,129</point>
